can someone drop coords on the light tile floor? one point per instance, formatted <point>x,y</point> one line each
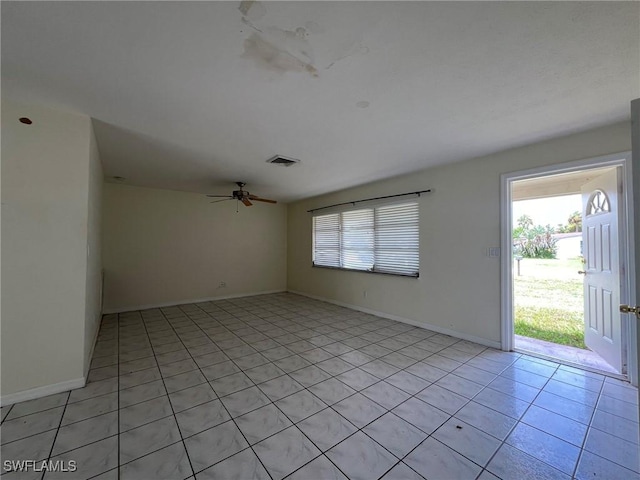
<point>279,386</point>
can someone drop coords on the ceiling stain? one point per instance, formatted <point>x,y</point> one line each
<point>277,57</point>
<point>252,10</point>
<point>249,24</point>
<point>313,27</point>
<point>276,49</point>
<point>354,50</point>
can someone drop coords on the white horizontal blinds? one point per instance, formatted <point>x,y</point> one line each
<point>381,239</point>
<point>326,240</point>
<point>357,239</point>
<point>397,239</point>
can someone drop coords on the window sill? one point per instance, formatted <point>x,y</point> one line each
<point>407,275</point>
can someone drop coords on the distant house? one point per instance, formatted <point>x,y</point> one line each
<point>569,245</point>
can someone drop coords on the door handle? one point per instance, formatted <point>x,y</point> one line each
<point>628,309</point>
<point>582,272</point>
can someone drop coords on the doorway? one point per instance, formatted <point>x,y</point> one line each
<point>565,238</point>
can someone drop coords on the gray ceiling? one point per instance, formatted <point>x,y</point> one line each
<point>195,95</point>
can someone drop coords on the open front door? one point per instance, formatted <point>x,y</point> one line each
<point>603,326</point>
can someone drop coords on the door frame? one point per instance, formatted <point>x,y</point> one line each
<point>626,239</point>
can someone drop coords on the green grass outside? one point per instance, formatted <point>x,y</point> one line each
<point>548,297</point>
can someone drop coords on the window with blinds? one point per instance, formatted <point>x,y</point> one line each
<point>383,239</point>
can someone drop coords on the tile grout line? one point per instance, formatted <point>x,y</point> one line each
<point>586,435</point>
<point>57,431</point>
<point>175,419</point>
<point>62,417</point>
<point>60,426</point>
<point>387,411</point>
<point>4,418</point>
<point>330,376</point>
<point>223,405</point>
<point>294,424</point>
<point>530,404</point>
<point>117,318</point>
<point>336,375</point>
<point>272,402</point>
<point>358,429</point>
<point>117,435</point>
<point>518,421</point>
<point>452,416</point>
<point>197,322</point>
<point>404,369</point>
<point>333,355</point>
<point>119,408</point>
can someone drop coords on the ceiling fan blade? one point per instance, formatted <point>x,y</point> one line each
<point>223,200</point>
<point>246,201</point>
<point>220,196</point>
<point>258,199</point>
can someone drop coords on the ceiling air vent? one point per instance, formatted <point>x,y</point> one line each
<point>283,161</point>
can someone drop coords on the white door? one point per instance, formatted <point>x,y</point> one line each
<point>603,326</point>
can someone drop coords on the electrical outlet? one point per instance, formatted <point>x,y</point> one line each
<point>222,284</point>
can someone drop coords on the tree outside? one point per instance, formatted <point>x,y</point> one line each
<point>574,224</point>
<point>533,241</point>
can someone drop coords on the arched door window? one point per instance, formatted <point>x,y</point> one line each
<point>598,203</point>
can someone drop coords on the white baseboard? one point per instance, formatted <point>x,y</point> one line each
<point>415,323</point>
<point>108,311</point>
<point>38,392</point>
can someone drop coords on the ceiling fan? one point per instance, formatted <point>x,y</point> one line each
<point>241,195</point>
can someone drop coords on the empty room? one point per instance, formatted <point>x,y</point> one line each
<point>267,240</point>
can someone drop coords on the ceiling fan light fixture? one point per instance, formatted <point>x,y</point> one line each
<point>282,161</point>
<point>242,196</point>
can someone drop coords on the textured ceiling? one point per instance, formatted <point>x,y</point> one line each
<point>195,95</point>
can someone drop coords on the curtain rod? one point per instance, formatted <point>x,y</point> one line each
<point>369,199</point>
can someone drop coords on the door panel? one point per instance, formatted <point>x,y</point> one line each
<point>607,315</point>
<point>591,312</point>
<point>591,257</point>
<point>606,247</point>
<point>603,327</point>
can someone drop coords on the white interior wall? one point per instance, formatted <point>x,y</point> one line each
<point>459,286</point>
<point>45,223</point>
<point>165,247</point>
<point>93,307</point>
